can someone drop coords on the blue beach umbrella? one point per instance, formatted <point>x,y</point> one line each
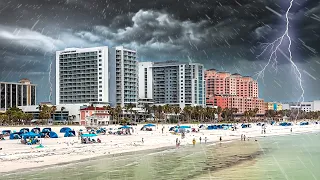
<point>88,135</point>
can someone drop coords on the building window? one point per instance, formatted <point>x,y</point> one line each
<point>100,82</point>
<point>100,90</point>
<point>100,64</point>
<point>100,77</point>
<point>100,56</point>
<point>99,51</point>
<point>100,69</point>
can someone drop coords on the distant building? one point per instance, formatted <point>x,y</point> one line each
<point>82,75</point>
<point>22,93</point>
<point>99,74</point>
<point>174,83</point>
<point>232,91</point>
<point>309,106</point>
<point>241,103</point>
<point>94,116</point>
<point>273,106</point>
<point>224,83</point>
<point>64,112</point>
<point>285,106</point>
<point>125,89</point>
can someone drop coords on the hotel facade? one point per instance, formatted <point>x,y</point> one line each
<point>232,91</point>
<point>173,83</point>
<point>99,74</point>
<point>273,106</point>
<point>22,93</point>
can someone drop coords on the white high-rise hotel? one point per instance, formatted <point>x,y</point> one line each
<point>99,74</point>
<point>172,83</point>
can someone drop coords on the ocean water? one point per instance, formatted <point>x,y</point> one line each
<point>295,157</point>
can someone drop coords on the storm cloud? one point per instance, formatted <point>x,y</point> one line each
<point>222,34</point>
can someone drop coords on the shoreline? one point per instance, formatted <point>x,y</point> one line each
<point>156,150</point>
<point>58,152</point>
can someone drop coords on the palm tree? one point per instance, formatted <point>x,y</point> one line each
<point>3,119</point>
<point>45,113</point>
<point>197,111</point>
<point>226,114</point>
<point>254,112</point>
<point>128,108</point>
<point>270,114</point>
<point>176,111</point>
<point>154,109</point>
<point>61,110</point>
<point>118,111</point>
<point>187,110</point>
<point>159,110</point>
<point>146,108</point>
<point>53,110</point>
<point>15,115</point>
<point>112,112</point>
<point>219,111</point>
<point>247,114</point>
<point>135,115</point>
<point>234,111</point>
<point>166,109</point>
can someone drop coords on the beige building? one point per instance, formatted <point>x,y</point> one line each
<point>274,106</point>
<point>22,93</point>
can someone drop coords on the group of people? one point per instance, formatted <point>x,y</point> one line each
<point>243,137</point>
<point>263,130</point>
<point>88,140</point>
<point>200,139</point>
<point>30,141</point>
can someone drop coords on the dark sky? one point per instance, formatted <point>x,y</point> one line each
<point>227,35</point>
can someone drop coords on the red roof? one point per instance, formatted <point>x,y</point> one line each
<point>93,108</point>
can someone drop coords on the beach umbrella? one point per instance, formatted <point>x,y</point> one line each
<point>88,135</point>
<point>125,127</point>
<point>149,125</point>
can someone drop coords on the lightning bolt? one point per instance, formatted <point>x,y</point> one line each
<point>274,48</point>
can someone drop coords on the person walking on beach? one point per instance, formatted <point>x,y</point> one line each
<point>205,140</point>
<point>194,141</point>
<point>291,130</point>
<point>162,129</point>
<point>241,137</point>
<point>177,140</point>
<point>244,137</point>
<point>220,138</point>
<point>200,140</point>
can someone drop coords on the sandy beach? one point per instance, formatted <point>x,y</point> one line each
<point>16,156</point>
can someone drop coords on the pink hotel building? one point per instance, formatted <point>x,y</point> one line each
<point>232,91</point>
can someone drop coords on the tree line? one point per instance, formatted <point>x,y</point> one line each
<point>189,114</point>
<point>15,116</point>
